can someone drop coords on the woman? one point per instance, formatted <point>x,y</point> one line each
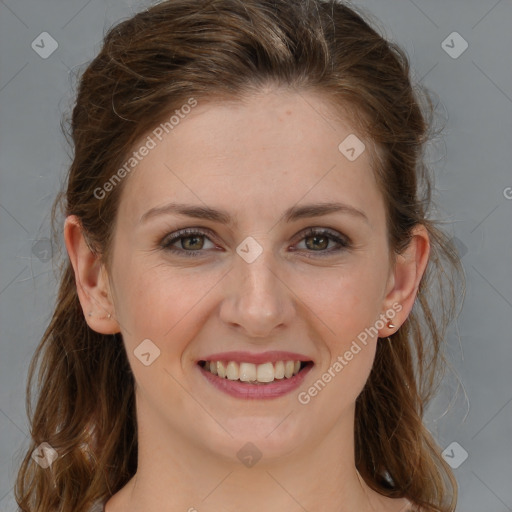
<point>245,320</point>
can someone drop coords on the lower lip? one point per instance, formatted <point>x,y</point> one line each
<point>247,391</point>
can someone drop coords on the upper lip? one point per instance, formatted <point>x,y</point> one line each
<point>250,357</point>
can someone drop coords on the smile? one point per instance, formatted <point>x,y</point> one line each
<point>250,372</point>
<point>250,380</point>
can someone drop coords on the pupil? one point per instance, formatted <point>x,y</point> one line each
<point>319,237</point>
<point>184,243</point>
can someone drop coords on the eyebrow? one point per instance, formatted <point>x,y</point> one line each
<point>222,216</point>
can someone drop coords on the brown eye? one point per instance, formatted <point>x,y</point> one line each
<point>192,242</point>
<point>194,245</point>
<point>317,242</point>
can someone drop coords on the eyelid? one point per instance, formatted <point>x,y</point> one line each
<point>344,242</point>
<point>185,233</point>
<point>321,230</point>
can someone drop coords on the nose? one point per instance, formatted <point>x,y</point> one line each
<point>258,300</point>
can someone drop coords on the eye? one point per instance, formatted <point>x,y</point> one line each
<point>315,239</point>
<point>318,239</point>
<point>191,242</point>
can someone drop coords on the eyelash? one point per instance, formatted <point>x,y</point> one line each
<point>343,242</point>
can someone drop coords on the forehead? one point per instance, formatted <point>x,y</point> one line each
<point>267,149</point>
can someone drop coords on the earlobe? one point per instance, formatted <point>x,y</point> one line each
<point>405,280</point>
<point>91,280</point>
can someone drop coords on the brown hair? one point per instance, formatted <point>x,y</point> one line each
<point>150,65</point>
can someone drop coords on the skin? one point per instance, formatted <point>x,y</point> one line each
<point>255,159</point>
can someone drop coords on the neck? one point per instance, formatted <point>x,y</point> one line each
<point>180,474</point>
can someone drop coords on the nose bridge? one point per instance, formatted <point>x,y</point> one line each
<point>259,301</point>
<point>259,285</point>
<point>258,278</point>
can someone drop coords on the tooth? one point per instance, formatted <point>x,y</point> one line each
<point>288,369</point>
<point>279,370</point>
<point>221,369</point>
<point>232,370</point>
<point>265,372</point>
<point>247,372</point>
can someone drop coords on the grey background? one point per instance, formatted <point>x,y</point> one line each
<point>473,180</point>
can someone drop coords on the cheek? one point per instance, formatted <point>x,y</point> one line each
<point>347,300</point>
<point>347,309</point>
<point>155,302</point>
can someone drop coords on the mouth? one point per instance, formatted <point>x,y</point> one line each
<point>252,373</point>
<point>247,380</point>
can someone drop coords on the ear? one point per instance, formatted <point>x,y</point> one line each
<point>404,280</point>
<point>91,280</point>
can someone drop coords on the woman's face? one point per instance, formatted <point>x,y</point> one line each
<point>256,286</point>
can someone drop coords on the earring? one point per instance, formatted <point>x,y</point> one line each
<point>391,325</point>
